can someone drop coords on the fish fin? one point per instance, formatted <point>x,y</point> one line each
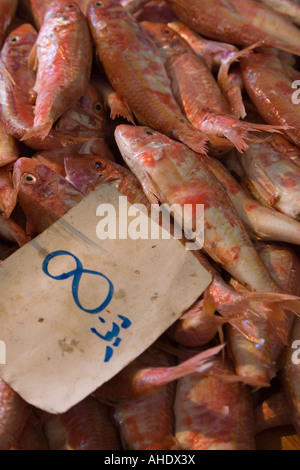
<point>197,363</point>
<point>33,61</point>
<point>118,108</point>
<point>239,134</point>
<point>275,307</point>
<point>262,183</point>
<point>198,142</point>
<point>38,132</point>
<point>9,80</point>
<point>232,57</point>
<point>150,189</point>
<point>8,201</point>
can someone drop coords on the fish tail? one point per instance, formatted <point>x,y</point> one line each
<point>240,133</point>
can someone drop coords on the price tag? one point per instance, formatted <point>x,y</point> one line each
<point>76,309</point>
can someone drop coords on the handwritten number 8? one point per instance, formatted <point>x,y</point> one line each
<point>77,274</point>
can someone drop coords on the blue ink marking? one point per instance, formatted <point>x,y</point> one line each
<point>77,274</point>
<point>108,354</point>
<point>110,335</point>
<point>125,322</point>
<point>117,342</point>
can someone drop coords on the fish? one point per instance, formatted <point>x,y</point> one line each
<point>173,174</point>
<point>136,71</point>
<point>275,177</point>
<point>17,82</point>
<point>211,414</point>
<point>262,223</point>
<point>259,363</point>
<point>43,194</point>
<point>14,412</point>
<point>267,20</point>
<point>8,195</point>
<point>198,93</point>
<point>139,379</point>
<point>87,172</point>
<point>212,52</point>
<point>85,426</point>
<point>64,41</point>
<point>8,9</point>
<point>35,10</point>
<point>146,423</point>
<point>9,150</point>
<point>271,91</point>
<point>83,126</point>
<point>282,145</point>
<point>289,8</point>
<point>220,20</point>
<point>156,11</point>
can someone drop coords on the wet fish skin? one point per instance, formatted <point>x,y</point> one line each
<point>64,41</point>
<point>198,94</point>
<point>14,412</point>
<point>219,20</point>
<point>136,71</point>
<point>86,426</point>
<point>275,177</point>
<point>87,172</point>
<point>262,223</point>
<point>43,194</point>
<point>211,414</point>
<point>172,173</point>
<point>146,423</point>
<point>270,89</point>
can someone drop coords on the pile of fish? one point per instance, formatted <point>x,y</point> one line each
<point>180,102</point>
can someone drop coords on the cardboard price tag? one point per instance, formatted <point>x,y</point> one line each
<point>75,310</point>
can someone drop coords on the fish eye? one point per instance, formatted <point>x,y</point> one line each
<point>14,39</point>
<point>99,4</point>
<point>166,31</point>
<point>149,132</point>
<point>99,164</point>
<point>70,6</point>
<point>98,106</point>
<point>28,178</point>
